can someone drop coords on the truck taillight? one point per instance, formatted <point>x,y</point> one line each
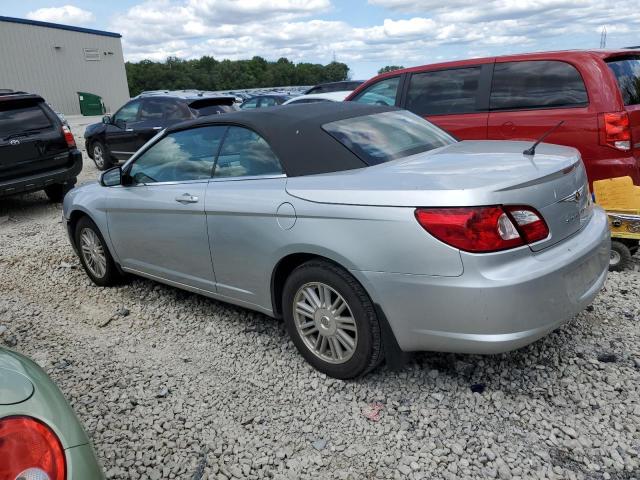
<point>616,132</point>
<point>68,136</point>
<point>484,229</point>
<point>30,450</point>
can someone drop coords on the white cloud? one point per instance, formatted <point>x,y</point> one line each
<point>414,32</point>
<point>65,14</point>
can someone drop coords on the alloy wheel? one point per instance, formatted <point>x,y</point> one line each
<point>93,252</point>
<point>325,322</point>
<point>98,156</point>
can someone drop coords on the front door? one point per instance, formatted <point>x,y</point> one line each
<point>120,134</point>
<point>157,224</point>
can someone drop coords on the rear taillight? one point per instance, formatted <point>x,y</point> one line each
<point>68,136</point>
<point>30,450</point>
<point>484,229</point>
<point>616,132</point>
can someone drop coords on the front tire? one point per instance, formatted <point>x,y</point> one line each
<point>332,320</point>
<point>94,254</point>
<point>101,156</point>
<point>620,258</point>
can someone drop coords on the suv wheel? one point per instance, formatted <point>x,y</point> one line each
<point>101,157</point>
<point>331,320</point>
<point>94,254</point>
<point>57,191</point>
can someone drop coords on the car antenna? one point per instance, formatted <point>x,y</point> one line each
<point>532,150</point>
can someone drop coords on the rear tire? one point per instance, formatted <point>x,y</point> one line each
<point>341,341</point>
<point>57,191</point>
<point>101,156</point>
<point>94,254</point>
<point>620,258</point>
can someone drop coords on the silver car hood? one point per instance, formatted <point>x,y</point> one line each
<point>464,173</point>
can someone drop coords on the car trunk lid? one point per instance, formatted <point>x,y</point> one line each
<point>470,173</point>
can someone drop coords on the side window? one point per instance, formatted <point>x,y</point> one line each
<point>253,103</point>
<point>536,84</point>
<point>179,157</point>
<point>443,91</point>
<point>381,93</point>
<point>152,109</point>
<point>128,113</point>
<point>245,153</point>
<point>267,102</point>
<point>162,109</point>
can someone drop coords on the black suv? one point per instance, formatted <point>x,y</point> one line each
<point>136,122</point>
<point>37,152</point>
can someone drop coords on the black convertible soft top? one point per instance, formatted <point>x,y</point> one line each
<point>295,133</point>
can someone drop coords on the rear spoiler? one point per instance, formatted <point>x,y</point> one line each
<point>20,97</point>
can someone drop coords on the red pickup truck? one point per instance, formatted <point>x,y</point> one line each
<point>520,97</point>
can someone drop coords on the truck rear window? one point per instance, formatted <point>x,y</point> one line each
<point>383,137</point>
<point>21,117</point>
<point>627,73</point>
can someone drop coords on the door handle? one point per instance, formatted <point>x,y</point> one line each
<point>129,130</point>
<point>157,128</point>
<point>187,198</point>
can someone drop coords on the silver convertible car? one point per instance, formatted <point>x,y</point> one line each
<point>369,230</point>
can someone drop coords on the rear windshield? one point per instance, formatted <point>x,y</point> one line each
<point>18,117</point>
<point>213,106</point>
<point>215,110</point>
<point>386,136</point>
<point>627,73</point>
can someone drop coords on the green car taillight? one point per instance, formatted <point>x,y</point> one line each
<point>30,450</point>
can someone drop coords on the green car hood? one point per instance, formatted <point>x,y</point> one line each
<point>25,389</point>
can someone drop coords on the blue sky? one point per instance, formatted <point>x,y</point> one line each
<point>365,34</point>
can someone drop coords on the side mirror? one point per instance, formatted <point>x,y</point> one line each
<point>111,177</point>
<point>120,123</point>
<point>106,119</point>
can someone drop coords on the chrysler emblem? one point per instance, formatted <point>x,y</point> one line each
<point>14,142</point>
<point>574,197</point>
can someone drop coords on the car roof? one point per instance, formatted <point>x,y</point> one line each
<point>295,133</point>
<point>183,94</point>
<point>333,96</point>
<point>547,55</point>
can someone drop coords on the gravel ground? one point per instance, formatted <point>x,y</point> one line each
<point>173,385</point>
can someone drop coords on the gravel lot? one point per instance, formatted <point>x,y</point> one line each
<point>173,385</point>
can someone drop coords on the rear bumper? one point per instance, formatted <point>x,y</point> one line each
<point>501,302</point>
<point>39,181</point>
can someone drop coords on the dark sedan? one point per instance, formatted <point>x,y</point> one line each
<point>119,136</point>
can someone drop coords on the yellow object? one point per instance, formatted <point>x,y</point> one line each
<point>621,199</point>
<point>618,194</point>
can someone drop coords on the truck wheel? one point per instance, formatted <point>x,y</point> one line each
<point>620,258</point>
<point>101,156</point>
<point>331,320</point>
<point>57,191</point>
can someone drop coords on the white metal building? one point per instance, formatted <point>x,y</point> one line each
<point>58,61</point>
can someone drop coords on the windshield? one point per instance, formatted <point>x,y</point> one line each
<point>386,136</point>
<point>627,73</point>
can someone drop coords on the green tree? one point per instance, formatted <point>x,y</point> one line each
<point>389,68</point>
<point>207,73</point>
